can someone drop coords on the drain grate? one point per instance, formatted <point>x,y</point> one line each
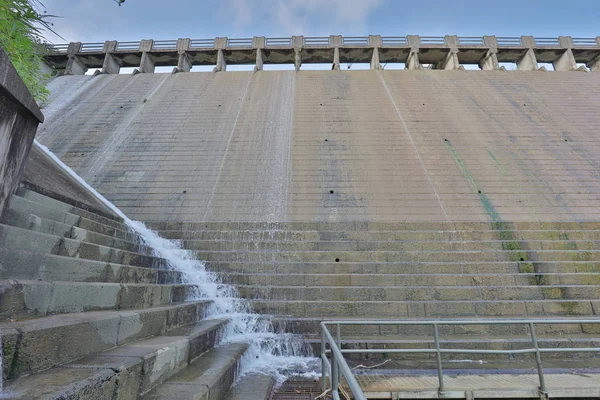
<point>297,389</point>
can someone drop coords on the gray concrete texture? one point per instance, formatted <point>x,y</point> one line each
<point>271,146</point>
<point>19,119</point>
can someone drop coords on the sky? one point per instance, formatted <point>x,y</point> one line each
<point>100,20</point>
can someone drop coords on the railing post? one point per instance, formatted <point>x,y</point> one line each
<point>258,43</point>
<point>323,365</point>
<point>336,43</point>
<point>538,358</point>
<point>490,61</point>
<point>375,44</point>
<point>334,374</point>
<point>184,63</point>
<point>566,61</point>
<point>146,63</point>
<point>528,62</point>
<point>298,44</point>
<point>110,64</point>
<point>74,65</point>
<point>338,334</point>
<point>412,62</point>
<point>220,45</point>
<point>436,335</point>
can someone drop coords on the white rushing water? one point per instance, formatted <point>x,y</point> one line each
<point>269,351</point>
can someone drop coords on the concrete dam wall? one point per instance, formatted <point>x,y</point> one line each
<point>334,146</point>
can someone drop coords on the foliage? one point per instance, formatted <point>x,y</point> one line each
<point>21,25</point>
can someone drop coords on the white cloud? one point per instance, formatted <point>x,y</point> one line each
<point>302,16</point>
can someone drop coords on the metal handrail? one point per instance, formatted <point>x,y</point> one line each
<point>432,40</point>
<point>470,40</point>
<point>128,46</point>
<point>355,41</point>
<point>546,41</point>
<point>202,43</point>
<point>585,42</point>
<point>245,42</point>
<point>164,45</point>
<point>315,41</point>
<point>58,48</point>
<point>394,41</point>
<point>278,41</point>
<point>338,367</point>
<point>92,47</point>
<point>508,41</point>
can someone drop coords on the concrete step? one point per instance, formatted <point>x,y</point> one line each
<point>124,372</point>
<point>23,239</point>
<point>395,256</point>
<point>25,206</point>
<point>404,246</point>
<point>41,225</point>
<point>252,387</point>
<point>256,236</point>
<point>408,280</point>
<point>309,327</point>
<point>420,293</point>
<point>33,345</point>
<point>404,267</point>
<point>353,226</point>
<point>26,299</point>
<point>67,208</point>
<point>427,309</point>
<point>31,265</point>
<point>209,377</point>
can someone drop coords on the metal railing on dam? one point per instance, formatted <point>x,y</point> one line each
<point>436,52</point>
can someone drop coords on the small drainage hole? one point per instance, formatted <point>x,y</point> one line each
<point>337,260</point>
<point>522,259</point>
<point>331,191</point>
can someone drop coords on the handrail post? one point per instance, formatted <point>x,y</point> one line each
<point>338,335</point>
<point>323,366</point>
<point>538,358</point>
<point>334,374</point>
<point>436,335</point>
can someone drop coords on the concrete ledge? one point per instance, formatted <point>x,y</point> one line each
<point>33,345</point>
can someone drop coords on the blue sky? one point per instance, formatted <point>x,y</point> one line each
<point>100,20</point>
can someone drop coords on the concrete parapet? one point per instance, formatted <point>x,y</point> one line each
<point>111,64</point>
<point>486,52</point>
<point>146,63</point>
<point>19,118</point>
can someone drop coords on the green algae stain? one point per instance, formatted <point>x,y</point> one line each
<point>483,199</point>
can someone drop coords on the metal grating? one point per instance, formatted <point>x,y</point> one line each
<point>297,389</point>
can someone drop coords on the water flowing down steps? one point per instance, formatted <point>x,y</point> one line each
<point>92,308</point>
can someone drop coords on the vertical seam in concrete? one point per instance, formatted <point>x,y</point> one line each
<point>227,147</point>
<point>290,160</point>
<point>412,142</point>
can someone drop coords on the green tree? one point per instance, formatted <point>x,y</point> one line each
<point>22,23</point>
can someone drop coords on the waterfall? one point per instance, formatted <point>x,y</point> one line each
<point>269,351</point>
